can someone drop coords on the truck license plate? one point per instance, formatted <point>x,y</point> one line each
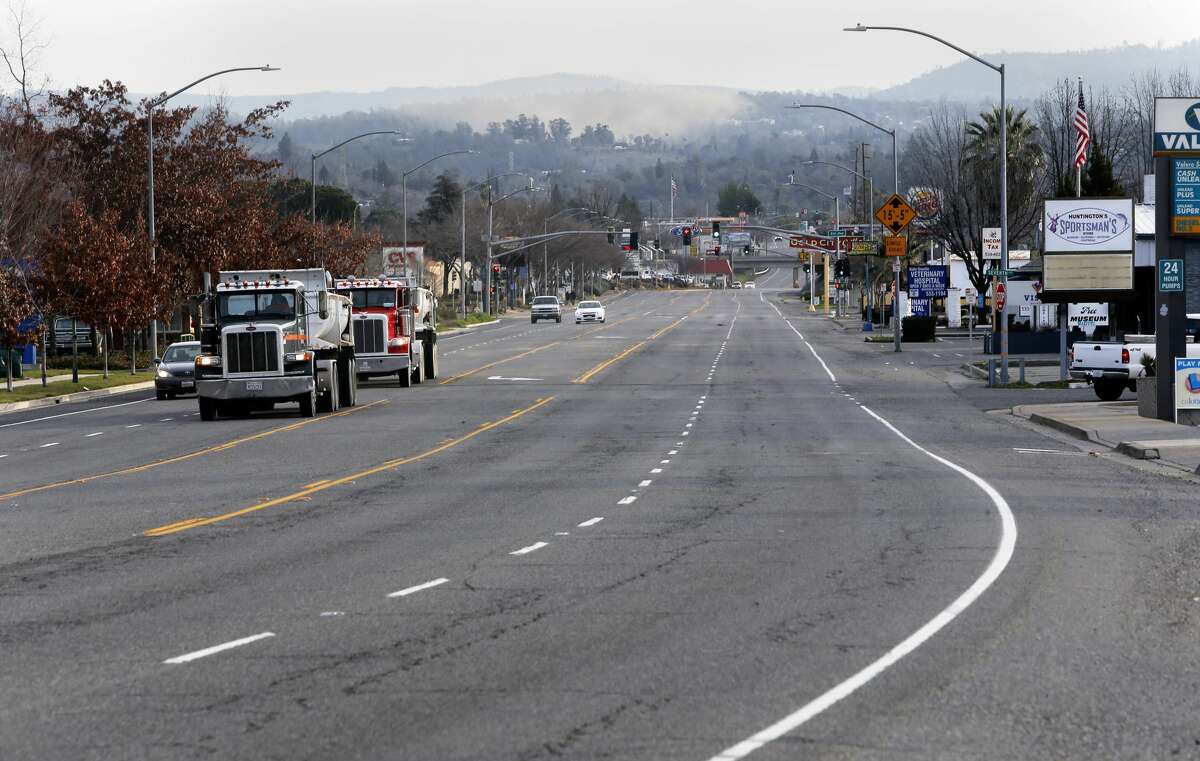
<point>254,385</point>
<point>364,365</point>
<point>1097,373</point>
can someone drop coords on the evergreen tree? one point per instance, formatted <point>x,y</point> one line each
<point>1098,180</point>
<point>442,200</point>
<point>286,149</point>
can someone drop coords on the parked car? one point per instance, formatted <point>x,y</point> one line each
<point>1113,366</point>
<point>176,370</point>
<point>589,311</point>
<point>86,338</point>
<point>545,308</point>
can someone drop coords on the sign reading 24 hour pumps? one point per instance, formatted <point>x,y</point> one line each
<point>1089,225</point>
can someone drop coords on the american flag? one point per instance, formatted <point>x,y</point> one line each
<point>1083,134</point>
<point>674,188</point>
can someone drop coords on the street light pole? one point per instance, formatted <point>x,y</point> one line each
<point>999,69</point>
<point>488,301</point>
<point>315,156</point>
<point>404,196</point>
<point>895,189</point>
<point>837,221</point>
<point>150,106</point>
<point>462,260</point>
<point>871,222</point>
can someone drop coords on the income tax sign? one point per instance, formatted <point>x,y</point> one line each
<point>1089,224</point>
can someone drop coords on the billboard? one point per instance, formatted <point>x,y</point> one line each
<point>1176,125</point>
<point>399,261</point>
<point>1079,225</point>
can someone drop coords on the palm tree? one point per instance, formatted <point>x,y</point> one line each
<point>1025,160</point>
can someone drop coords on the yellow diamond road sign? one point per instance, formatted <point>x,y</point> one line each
<point>895,214</point>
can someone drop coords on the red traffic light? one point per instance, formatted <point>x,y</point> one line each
<point>496,268</point>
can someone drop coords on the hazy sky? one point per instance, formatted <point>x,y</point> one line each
<point>155,45</point>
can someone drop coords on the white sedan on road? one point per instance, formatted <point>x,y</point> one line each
<point>589,311</point>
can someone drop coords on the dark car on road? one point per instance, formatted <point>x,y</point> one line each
<point>176,370</point>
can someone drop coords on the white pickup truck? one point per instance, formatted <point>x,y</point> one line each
<point>1113,366</point>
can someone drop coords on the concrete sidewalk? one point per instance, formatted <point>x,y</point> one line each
<point>1117,425</point>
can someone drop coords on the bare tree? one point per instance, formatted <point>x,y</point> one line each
<point>22,54</point>
<point>1110,122</point>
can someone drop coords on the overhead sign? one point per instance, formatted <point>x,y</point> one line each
<point>1170,276</point>
<point>895,213</point>
<point>1176,126</point>
<point>1185,196</point>
<point>1187,383</point>
<point>822,243</point>
<point>991,243</point>
<point>928,281</point>
<point>895,245</point>
<point>1089,224</point>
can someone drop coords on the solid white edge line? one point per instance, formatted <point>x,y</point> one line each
<point>77,412</point>
<point>418,588</point>
<point>1004,552</point>
<point>818,356</point>
<point>531,548</point>
<point>218,648</point>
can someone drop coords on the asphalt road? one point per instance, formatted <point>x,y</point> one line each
<point>654,538</point>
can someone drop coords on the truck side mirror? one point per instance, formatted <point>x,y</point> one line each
<point>323,304</point>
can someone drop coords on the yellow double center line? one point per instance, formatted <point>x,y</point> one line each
<point>587,376</point>
<point>534,350</point>
<point>319,486</point>
<point>185,457</point>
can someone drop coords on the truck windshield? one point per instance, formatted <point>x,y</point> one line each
<point>252,305</point>
<point>380,298</point>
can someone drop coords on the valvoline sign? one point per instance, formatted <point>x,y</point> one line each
<point>1176,125</point>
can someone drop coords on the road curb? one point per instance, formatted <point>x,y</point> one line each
<point>79,396</point>
<point>1079,432</point>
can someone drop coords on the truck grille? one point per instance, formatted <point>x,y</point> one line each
<point>370,336</point>
<point>252,352</point>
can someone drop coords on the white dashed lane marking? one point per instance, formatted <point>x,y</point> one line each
<point>418,588</point>
<point>531,548</point>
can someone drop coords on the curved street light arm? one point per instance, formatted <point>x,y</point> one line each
<point>356,137</point>
<point>868,122</point>
<point>830,196</point>
<point>418,167</point>
<point>935,38</point>
<point>835,166</point>
<point>155,103</point>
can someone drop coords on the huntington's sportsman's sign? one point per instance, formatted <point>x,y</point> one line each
<point>1089,224</point>
<point>1176,125</point>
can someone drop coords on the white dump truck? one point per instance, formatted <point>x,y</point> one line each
<point>272,337</point>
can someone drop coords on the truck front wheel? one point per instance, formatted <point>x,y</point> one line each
<point>429,350</point>
<point>308,403</point>
<point>1108,390</point>
<point>208,409</point>
<point>347,383</point>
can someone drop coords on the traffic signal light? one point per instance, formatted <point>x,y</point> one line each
<point>745,249</point>
<point>687,236</point>
<point>496,268</point>
<point>633,241</point>
<point>716,233</point>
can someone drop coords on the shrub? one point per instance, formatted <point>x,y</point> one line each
<point>918,329</point>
